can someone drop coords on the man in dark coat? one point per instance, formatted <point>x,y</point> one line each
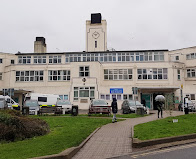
<point>160,108</point>
<point>114,109</point>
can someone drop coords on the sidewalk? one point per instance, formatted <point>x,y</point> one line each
<point>114,139</point>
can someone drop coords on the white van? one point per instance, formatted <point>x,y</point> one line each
<point>10,102</point>
<point>46,100</point>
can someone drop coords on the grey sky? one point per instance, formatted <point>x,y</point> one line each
<point>131,24</point>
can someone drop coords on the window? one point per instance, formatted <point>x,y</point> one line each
<point>84,71</point>
<point>118,74</point>
<point>64,97</point>
<point>191,73</point>
<point>188,57</point>
<point>24,59</point>
<point>1,60</point>
<point>117,96</point>
<point>1,76</point>
<point>148,56</point>
<point>178,73</point>
<point>54,59</point>
<point>191,56</point>
<point>177,58</point>
<point>149,74</point>
<point>95,44</point>
<point>12,61</point>
<point>127,96</point>
<point>40,59</point>
<point>29,75</point>
<point>84,92</point>
<point>59,75</point>
<point>102,96</point>
<point>158,56</point>
<point>192,96</point>
<point>42,99</point>
<point>107,97</point>
<point>25,76</point>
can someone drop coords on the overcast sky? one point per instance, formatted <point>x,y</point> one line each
<point>131,24</point>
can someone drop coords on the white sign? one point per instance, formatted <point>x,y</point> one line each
<point>175,120</point>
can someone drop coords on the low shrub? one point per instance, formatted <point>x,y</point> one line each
<point>14,126</point>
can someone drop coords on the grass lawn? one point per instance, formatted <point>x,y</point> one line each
<point>166,128</point>
<point>65,133</point>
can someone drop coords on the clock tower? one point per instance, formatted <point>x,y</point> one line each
<point>96,33</point>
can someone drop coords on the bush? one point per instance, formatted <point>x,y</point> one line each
<point>14,126</point>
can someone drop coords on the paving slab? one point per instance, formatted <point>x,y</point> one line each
<point>114,139</point>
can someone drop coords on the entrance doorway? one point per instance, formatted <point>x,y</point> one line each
<point>147,98</point>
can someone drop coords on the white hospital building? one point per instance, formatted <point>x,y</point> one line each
<point>99,73</point>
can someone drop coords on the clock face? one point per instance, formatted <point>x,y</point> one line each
<point>95,35</point>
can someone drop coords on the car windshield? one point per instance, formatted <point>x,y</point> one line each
<point>31,103</point>
<point>63,102</point>
<point>133,103</point>
<point>99,103</point>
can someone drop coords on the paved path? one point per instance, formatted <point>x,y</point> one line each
<point>114,139</point>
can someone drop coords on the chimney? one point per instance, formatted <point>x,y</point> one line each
<point>40,45</point>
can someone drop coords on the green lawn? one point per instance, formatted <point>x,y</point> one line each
<point>166,128</point>
<point>65,132</point>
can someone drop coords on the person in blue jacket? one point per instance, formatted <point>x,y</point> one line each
<point>114,106</point>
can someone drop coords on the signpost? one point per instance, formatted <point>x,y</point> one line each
<point>135,90</point>
<point>182,97</point>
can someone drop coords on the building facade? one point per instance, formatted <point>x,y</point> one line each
<point>101,74</point>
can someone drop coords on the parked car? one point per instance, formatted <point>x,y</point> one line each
<point>130,106</point>
<point>99,106</point>
<point>65,105</point>
<point>3,104</point>
<point>191,106</point>
<point>33,106</point>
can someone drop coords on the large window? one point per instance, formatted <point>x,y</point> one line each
<point>24,59</point>
<point>59,75</point>
<point>154,73</point>
<point>118,74</point>
<point>29,76</point>
<point>191,56</point>
<point>39,59</point>
<point>148,56</point>
<point>158,56</point>
<point>84,92</point>
<point>125,57</point>
<point>1,76</point>
<point>84,71</point>
<point>116,57</point>
<point>191,72</point>
<point>54,59</point>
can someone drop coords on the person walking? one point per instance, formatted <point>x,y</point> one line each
<point>114,109</point>
<point>160,108</point>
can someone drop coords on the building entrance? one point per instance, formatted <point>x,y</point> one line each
<point>147,98</point>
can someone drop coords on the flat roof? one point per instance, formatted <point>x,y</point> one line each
<point>84,52</point>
